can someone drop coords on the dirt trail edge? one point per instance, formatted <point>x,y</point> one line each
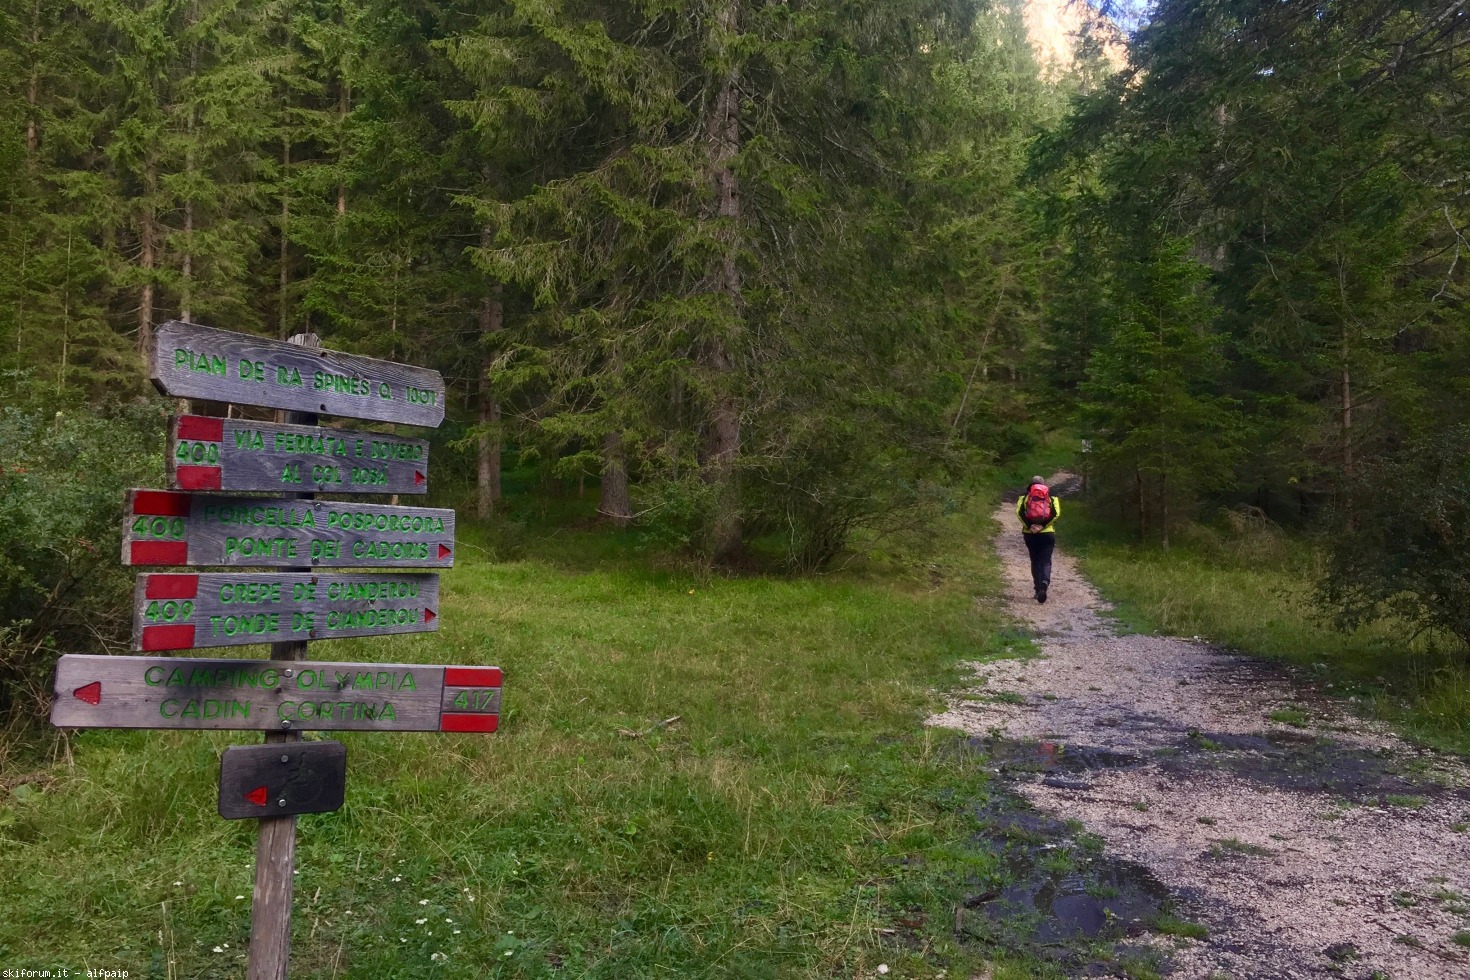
<point>1315,845</point>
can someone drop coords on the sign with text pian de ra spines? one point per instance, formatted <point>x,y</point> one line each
<point>173,611</point>
<point>273,695</point>
<point>165,528</point>
<point>188,360</point>
<point>234,454</point>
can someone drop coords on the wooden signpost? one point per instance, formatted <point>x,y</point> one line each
<point>286,694</point>
<point>182,612</point>
<point>165,528</point>
<point>273,695</point>
<point>233,454</point>
<point>192,361</point>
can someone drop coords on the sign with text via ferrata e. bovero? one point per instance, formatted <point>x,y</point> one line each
<point>273,695</point>
<point>164,528</point>
<point>188,360</point>
<point>237,454</point>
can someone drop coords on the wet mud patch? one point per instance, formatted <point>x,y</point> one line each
<point>1303,763</point>
<point>1052,758</point>
<point>1058,895</point>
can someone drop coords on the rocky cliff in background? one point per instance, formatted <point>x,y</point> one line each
<point>1054,26</point>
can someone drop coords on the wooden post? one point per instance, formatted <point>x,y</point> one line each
<point>275,850</point>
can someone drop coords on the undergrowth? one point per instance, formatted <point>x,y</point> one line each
<point>1246,584</point>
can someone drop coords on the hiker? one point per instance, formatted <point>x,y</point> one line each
<point>1038,511</point>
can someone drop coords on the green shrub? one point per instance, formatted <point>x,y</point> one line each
<point>63,476</point>
<point>1405,556</point>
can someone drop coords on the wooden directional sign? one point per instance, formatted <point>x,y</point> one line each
<point>273,695</point>
<point>164,528</point>
<point>233,454</point>
<point>222,609</point>
<point>282,780</point>
<point>192,361</point>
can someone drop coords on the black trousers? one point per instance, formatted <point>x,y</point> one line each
<point>1040,547</point>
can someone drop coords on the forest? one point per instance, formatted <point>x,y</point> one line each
<point>770,276</point>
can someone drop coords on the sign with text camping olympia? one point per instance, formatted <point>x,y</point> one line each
<point>273,695</point>
<point>174,611</point>
<point>192,361</point>
<point>234,454</point>
<point>165,528</point>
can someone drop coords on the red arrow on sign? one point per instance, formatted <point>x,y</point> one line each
<point>418,478</point>
<point>90,693</point>
<point>443,552</point>
<point>256,796</point>
<point>430,615</point>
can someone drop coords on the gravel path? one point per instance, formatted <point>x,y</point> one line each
<point>1324,848</point>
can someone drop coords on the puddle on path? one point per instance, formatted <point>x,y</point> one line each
<point>1065,900</point>
<point>1062,898</point>
<point>1300,762</point>
<point>1292,761</point>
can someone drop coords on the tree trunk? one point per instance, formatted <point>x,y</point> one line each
<point>614,504</point>
<point>186,284</point>
<point>1348,472</point>
<point>492,321</point>
<point>722,442</point>
<point>145,263</point>
<point>1164,509</point>
<point>344,103</point>
<point>33,88</point>
<point>1142,505</point>
<point>283,316</point>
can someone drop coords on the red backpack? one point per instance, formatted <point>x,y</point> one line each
<point>1038,511</point>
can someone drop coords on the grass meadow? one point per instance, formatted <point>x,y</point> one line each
<point>796,820</point>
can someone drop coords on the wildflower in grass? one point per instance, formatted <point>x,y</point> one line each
<point>438,957</point>
<point>397,878</point>
<point>178,884</point>
<point>239,897</point>
<point>423,901</point>
<point>219,949</point>
<point>510,952</point>
<point>419,922</point>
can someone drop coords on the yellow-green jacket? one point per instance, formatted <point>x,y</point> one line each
<point>1056,506</point>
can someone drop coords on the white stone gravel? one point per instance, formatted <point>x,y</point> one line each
<point>1335,873</point>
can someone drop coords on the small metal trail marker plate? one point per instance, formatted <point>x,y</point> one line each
<point>282,780</point>
<point>188,360</point>
<point>234,454</point>
<point>273,695</point>
<point>173,611</point>
<point>161,527</point>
